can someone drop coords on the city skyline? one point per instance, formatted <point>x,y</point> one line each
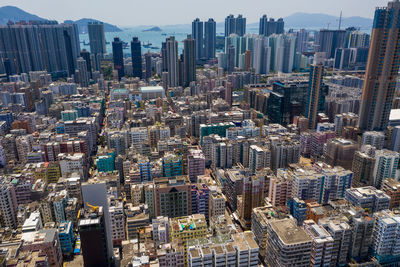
<point>168,14</point>
<point>268,146</point>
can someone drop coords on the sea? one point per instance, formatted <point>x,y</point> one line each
<point>153,38</point>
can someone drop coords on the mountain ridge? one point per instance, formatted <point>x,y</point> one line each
<point>15,14</point>
<point>82,25</point>
<point>297,20</point>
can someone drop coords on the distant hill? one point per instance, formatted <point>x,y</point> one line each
<point>82,25</point>
<point>12,13</point>
<point>318,21</point>
<point>153,29</point>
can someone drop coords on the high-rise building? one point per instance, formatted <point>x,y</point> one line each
<point>284,151</point>
<point>362,230</point>
<point>391,187</point>
<point>262,30</point>
<point>172,165</point>
<point>340,152</point>
<point>172,197</point>
<point>35,47</point>
<point>280,26</point>
<point>373,138</point>
<point>368,197</point>
<point>252,197</point>
<point>259,158</point>
<point>97,39</point>
<point>172,61</point>
<point>382,69</point>
<point>230,25</point>
<point>136,50</point>
<point>341,234</point>
<point>86,56</point>
<point>46,241</point>
<point>363,166</point>
<point>197,35</point>
<point>302,41</point>
<point>395,141</point>
<point>287,244</point>
<point>269,27</point>
<point>386,164</point>
<point>93,234</point>
<point>261,56</point>
<point>189,60</point>
<point>217,204</point>
<point>242,251</point>
<point>329,40</point>
<point>118,57</point>
<point>385,245</point>
<point>148,64</point>
<point>235,25</point>
<point>8,205</point>
<point>231,59</point>
<point>209,38</point>
<point>187,228</point>
<point>95,193</point>
<point>298,210</point>
<point>316,95</point>
<point>358,39</point>
<point>322,244</point>
<point>196,164</point>
<point>83,73</point>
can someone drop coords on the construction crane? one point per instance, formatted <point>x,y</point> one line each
<point>94,208</point>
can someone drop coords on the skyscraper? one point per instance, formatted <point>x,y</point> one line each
<point>189,62</point>
<point>93,234</point>
<point>280,26</point>
<point>48,46</point>
<point>302,40</point>
<point>83,73</point>
<point>97,39</point>
<point>230,25</point>
<point>262,30</point>
<point>231,58</point>
<point>262,55</point>
<point>197,35</point>
<point>240,25</point>
<point>86,56</point>
<point>235,25</point>
<point>316,95</point>
<point>8,205</point>
<point>382,69</point>
<point>148,64</point>
<point>329,40</point>
<point>172,61</point>
<point>209,39</point>
<point>118,57</point>
<point>136,50</point>
<point>95,193</point>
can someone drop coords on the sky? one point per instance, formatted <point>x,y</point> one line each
<point>169,12</point>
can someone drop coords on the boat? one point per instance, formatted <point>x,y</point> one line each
<point>125,45</point>
<point>84,43</point>
<point>147,45</point>
<point>154,47</point>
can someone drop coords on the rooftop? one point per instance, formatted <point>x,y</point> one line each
<point>288,231</point>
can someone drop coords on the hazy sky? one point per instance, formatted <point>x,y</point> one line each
<point>165,12</point>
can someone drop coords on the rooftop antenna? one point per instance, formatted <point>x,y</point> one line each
<point>328,25</point>
<point>340,19</point>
